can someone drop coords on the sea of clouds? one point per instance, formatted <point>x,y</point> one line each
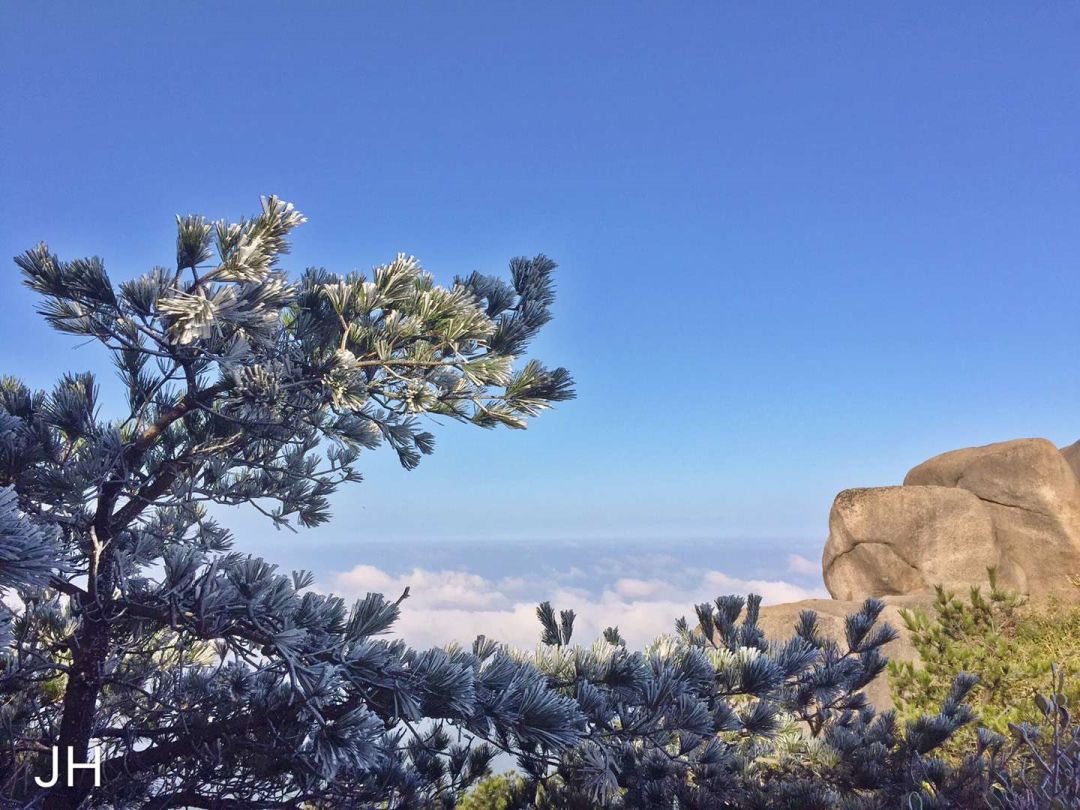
<point>459,592</point>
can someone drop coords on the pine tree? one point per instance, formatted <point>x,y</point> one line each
<point>211,679</point>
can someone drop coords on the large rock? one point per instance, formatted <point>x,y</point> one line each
<point>1013,505</point>
<point>1071,454</point>
<point>902,540</point>
<point>778,622</point>
<point>1032,496</point>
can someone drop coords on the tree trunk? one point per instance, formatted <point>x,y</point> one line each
<point>77,723</point>
<point>89,653</point>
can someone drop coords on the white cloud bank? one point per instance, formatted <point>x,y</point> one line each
<point>456,605</point>
<point>798,564</point>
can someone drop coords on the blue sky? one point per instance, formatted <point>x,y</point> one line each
<point>803,246</point>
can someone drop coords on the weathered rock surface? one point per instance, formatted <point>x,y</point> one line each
<point>899,540</point>
<point>1033,498</point>
<point>1071,454</point>
<point>778,623</point>
<point>1011,505</point>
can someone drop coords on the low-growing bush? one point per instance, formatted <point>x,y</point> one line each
<point>502,792</point>
<point>1009,645</point>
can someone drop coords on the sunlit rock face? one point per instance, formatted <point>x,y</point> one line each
<point>1014,506</point>
<point>778,622</point>
<point>899,540</point>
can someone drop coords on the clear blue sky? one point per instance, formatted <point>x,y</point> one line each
<point>803,246</point>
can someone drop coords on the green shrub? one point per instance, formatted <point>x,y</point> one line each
<point>501,792</point>
<point>1009,645</point>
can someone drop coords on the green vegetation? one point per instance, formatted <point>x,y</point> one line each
<point>501,792</point>
<point>1009,645</point>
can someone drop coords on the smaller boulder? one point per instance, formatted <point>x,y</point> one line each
<point>778,623</point>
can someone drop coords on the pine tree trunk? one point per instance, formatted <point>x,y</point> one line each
<point>77,723</point>
<point>90,651</point>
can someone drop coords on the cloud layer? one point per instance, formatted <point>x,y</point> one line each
<point>643,598</point>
